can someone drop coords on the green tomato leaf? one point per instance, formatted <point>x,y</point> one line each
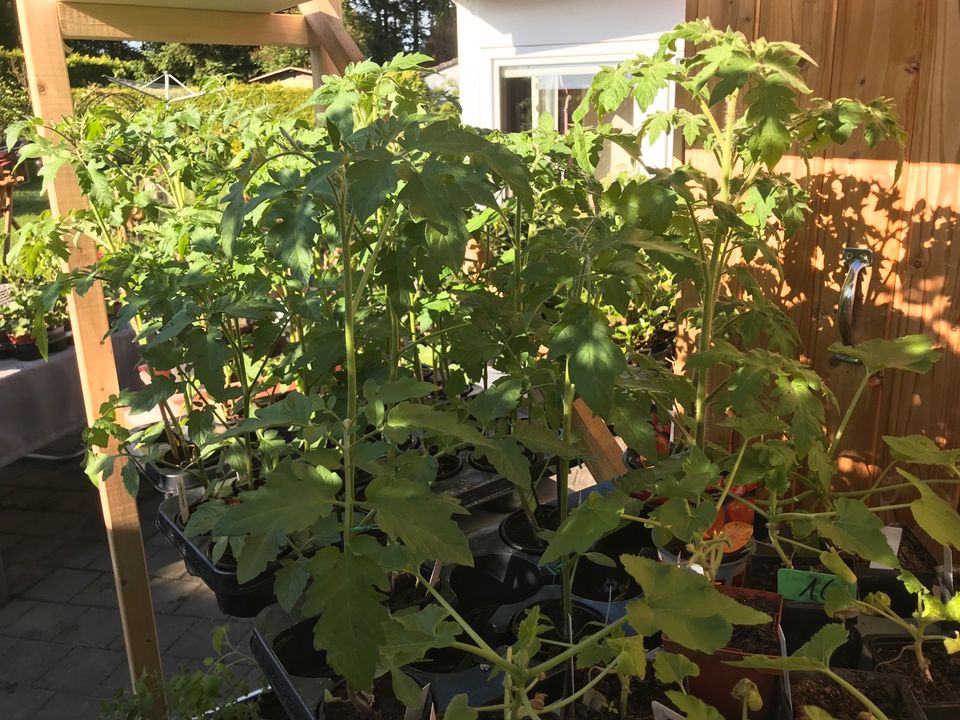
<point>632,654</point>
<point>497,401</point>
<point>291,580</point>
<point>693,708</point>
<point>458,710</point>
<point>404,389</point>
<point>412,416</point>
<point>933,513</point>
<point>857,530</point>
<point>350,632</point>
<point>421,519</point>
<point>674,668</point>
<point>595,361</point>
<point>585,525</point>
<point>404,687</point>
<point>914,353</point>
<point>921,450</point>
<point>257,553</point>
<point>543,440</point>
<point>285,503</point>
<point>508,459</point>
<point>824,643</point>
<point>684,605</point>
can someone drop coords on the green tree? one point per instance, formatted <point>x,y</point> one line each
<point>383,28</point>
<point>273,57</point>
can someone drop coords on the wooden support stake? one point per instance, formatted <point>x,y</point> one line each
<point>604,457</point>
<point>50,93</point>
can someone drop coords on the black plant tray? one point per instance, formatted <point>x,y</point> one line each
<point>476,485</point>
<point>57,341</point>
<point>282,645</point>
<point>233,598</point>
<point>896,686</point>
<point>932,711</point>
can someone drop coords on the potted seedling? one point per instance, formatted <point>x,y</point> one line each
<point>925,659</point>
<point>818,691</point>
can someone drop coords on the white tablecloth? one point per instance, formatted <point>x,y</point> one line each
<point>42,401</point>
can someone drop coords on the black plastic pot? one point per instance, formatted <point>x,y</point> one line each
<point>883,690</point>
<point>233,598</point>
<point>471,486</point>
<point>933,708</point>
<point>282,645</point>
<point>902,602</point>
<point>165,479</point>
<point>57,340</point>
<point>516,532</point>
<point>494,580</point>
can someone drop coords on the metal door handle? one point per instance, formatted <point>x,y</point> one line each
<point>856,260</point>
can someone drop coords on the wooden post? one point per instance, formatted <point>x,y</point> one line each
<point>50,93</point>
<point>331,46</point>
<point>604,457</point>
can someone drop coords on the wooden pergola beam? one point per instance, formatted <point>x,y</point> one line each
<point>50,93</point>
<point>90,21</point>
<point>332,46</point>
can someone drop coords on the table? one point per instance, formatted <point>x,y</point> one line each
<point>42,401</point>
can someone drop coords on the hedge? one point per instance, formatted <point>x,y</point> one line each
<point>83,69</point>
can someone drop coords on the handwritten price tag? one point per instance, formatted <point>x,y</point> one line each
<point>807,586</point>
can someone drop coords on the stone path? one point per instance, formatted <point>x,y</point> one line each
<point>61,648</point>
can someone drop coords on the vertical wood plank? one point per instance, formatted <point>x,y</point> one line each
<point>50,93</point>
<point>928,272</point>
<point>876,53</point>
<point>326,33</point>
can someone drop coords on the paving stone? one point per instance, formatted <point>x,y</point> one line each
<point>9,540</point>
<point>69,705</point>
<point>25,498</point>
<point>61,585</point>
<point>13,609</point>
<point>82,671</point>
<point>46,621</point>
<point>200,602</point>
<point>82,527</point>
<point>197,642</point>
<point>100,593</point>
<point>80,554</point>
<point>30,660</point>
<point>165,562</point>
<point>168,595</point>
<point>33,550</point>
<point>21,576</point>
<point>24,703</point>
<point>96,628</point>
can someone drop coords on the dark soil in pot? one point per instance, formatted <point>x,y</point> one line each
<point>294,649</point>
<point>384,705</point>
<point>605,584</point>
<point>478,460</point>
<point>759,639</point>
<point>944,668</point>
<point>914,558</point>
<point>604,702</point>
<point>495,579</point>
<point>448,466</point>
<point>820,691</point>
<point>517,532</point>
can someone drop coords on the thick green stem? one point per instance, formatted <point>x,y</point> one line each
<point>563,500</point>
<point>349,469</point>
<point>835,445</point>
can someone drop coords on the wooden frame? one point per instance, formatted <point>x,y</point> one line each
<point>44,24</point>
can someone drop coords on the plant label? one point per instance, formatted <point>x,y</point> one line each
<point>893,536</point>
<point>807,586</point>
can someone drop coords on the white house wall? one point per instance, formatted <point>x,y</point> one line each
<point>493,34</point>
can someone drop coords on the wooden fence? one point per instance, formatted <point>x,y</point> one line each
<point>908,50</point>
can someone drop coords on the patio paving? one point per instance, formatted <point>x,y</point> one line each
<point>61,647</point>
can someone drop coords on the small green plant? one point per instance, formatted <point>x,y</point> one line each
<point>814,656</point>
<point>191,694</point>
